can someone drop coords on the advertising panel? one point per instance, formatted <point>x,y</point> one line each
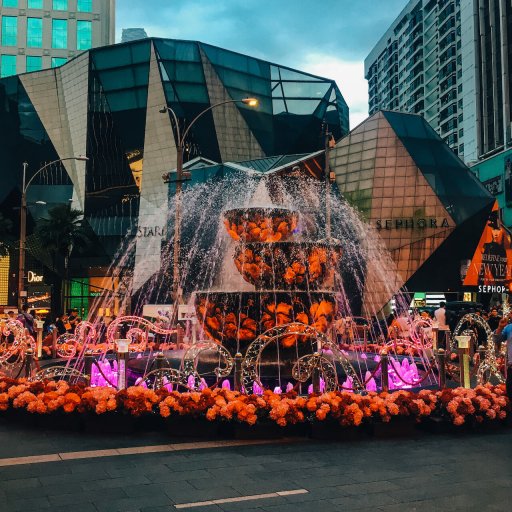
<point>491,266</point>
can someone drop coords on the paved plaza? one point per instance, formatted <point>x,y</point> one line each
<point>466,472</point>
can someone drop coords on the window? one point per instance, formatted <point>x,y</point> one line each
<point>84,5</point>
<point>83,35</point>
<point>10,3</point>
<point>58,61</point>
<point>9,31</point>
<point>59,33</point>
<point>35,4</point>
<point>60,5</point>
<point>34,63</point>
<point>34,33</point>
<point>7,65</point>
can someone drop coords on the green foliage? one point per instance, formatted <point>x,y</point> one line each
<point>62,231</point>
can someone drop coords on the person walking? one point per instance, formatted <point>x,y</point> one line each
<point>505,330</point>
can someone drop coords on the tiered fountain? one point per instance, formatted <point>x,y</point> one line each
<point>294,281</point>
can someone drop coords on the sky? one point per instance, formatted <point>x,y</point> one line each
<point>329,38</point>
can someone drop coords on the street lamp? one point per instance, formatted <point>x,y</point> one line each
<point>180,178</point>
<point>23,221</point>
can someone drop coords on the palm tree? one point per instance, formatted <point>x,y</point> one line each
<point>59,233</point>
<point>5,235</point>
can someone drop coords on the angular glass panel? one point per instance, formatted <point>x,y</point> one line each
<point>35,4</point>
<point>192,93</point>
<point>9,31</point>
<point>83,35</point>
<point>59,34</point>
<point>305,89</point>
<point>84,5</point>
<point>34,63</point>
<point>187,51</point>
<point>60,5</point>
<point>302,107</point>
<point>274,73</point>
<point>7,65</point>
<point>34,33</point>
<point>290,74</point>
<point>121,55</point>
<point>58,61</point>
<point>278,106</point>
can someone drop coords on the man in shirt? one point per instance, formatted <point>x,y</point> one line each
<point>440,316</point>
<point>505,329</point>
<point>494,319</point>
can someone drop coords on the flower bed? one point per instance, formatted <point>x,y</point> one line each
<point>458,406</point>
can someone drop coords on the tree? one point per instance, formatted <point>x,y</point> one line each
<point>5,235</point>
<point>61,232</point>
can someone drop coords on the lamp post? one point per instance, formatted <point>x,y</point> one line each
<point>180,178</point>
<point>329,179</point>
<point>23,221</point>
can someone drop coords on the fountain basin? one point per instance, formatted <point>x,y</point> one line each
<point>261,224</point>
<point>297,265</point>
<point>235,319</point>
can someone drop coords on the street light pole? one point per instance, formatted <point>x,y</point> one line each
<point>23,221</point>
<point>180,178</point>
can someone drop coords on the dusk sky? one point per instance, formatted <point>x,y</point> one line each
<point>330,38</point>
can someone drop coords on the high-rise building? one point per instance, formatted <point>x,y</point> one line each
<point>133,34</point>
<point>449,61</point>
<point>39,34</point>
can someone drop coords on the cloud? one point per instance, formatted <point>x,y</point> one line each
<point>349,76</point>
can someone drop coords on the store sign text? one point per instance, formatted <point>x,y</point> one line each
<point>145,232</point>
<point>411,223</point>
<point>492,289</point>
<point>32,277</point>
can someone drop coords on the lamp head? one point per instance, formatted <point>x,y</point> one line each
<point>163,110</point>
<point>82,158</point>
<point>251,102</point>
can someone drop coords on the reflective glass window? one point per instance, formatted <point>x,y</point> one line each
<point>60,5</point>
<point>35,4</point>
<point>58,61</point>
<point>10,3</point>
<point>9,31</point>
<point>34,63</point>
<point>7,65</point>
<point>34,33</point>
<point>83,35</point>
<point>84,5</point>
<point>59,34</point>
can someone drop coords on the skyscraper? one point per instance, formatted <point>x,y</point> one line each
<point>133,34</point>
<point>449,61</point>
<point>38,34</point>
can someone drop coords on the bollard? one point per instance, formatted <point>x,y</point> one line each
<point>88,362</point>
<point>463,344</point>
<point>54,343</point>
<point>122,359</point>
<point>384,361</point>
<point>238,372</point>
<point>435,337</point>
<point>441,361</point>
<point>29,358</point>
<point>39,345</point>
<point>159,363</point>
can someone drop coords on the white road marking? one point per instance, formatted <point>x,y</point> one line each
<point>241,498</point>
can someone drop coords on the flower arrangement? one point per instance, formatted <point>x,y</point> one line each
<point>482,404</point>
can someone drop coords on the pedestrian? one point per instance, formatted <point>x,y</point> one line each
<point>505,330</point>
<point>27,319</point>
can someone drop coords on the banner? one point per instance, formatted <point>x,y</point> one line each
<point>491,266</point>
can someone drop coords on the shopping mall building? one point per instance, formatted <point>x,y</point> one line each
<point>106,104</point>
<point>430,210</point>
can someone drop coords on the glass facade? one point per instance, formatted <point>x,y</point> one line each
<point>9,31</point>
<point>58,61</point>
<point>35,4</point>
<point>34,33</point>
<point>83,35</point>
<point>59,34</point>
<point>7,65</point>
<point>108,119</point>
<point>34,63</point>
<point>84,5</point>
<point>10,3</point>
<point>60,5</point>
